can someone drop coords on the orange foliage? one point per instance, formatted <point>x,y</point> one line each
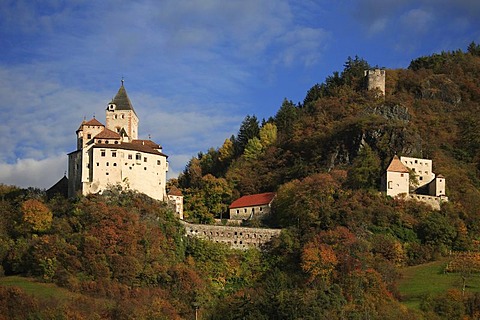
<point>318,261</point>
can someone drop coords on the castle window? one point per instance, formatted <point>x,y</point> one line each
<point>390,185</point>
<point>401,175</point>
<point>89,136</point>
<point>102,153</point>
<point>158,162</point>
<point>106,173</point>
<point>98,164</point>
<point>138,156</point>
<point>129,157</point>
<point>144,168</point>
<point>107,164</point>
<point>145,159</point>
<point>416,161</point>
<point>114,154</point>
<point>115,116</point>
<point>106,141</point>
<point>99,141</point>
<point>420,178</point>
<point>116,142</point>
<point>123,116</point>
<point>114,164</point>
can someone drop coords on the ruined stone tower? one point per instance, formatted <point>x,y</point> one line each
<point>375,79</point>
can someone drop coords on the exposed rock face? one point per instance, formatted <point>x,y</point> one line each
<point>395,112</point>
<point>386,129</point>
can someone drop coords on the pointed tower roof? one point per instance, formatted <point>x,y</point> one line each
<point>122,101</point>
<point>397,166</point>
<point>92,122</point>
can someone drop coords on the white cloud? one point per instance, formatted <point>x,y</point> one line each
<point>34,173</point>
<point>417,20</point>
<point>302,45</point>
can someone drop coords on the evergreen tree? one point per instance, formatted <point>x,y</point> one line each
<point>249,129</point>
<point>365,170</point>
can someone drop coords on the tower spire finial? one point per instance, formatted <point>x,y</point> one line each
<point>123,80</point>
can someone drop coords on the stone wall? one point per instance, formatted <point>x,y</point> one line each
<point>236,237</point>
<point>434,202</point>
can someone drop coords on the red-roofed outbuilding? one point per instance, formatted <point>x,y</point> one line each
<point>246,207</point>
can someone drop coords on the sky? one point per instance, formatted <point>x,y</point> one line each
<point>192,69</point>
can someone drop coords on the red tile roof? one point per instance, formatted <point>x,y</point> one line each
<point>253,200</point>
<point>149,143</point>
<point>129,146</point>
<point>397,166</point>
<point>107,134</point>
<point>93,122</point>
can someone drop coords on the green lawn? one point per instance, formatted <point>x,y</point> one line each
<point>428,278</point>
<point>37,289</point>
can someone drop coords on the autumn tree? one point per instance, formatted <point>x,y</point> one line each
<point>37,215</point>
<point>318,261</point>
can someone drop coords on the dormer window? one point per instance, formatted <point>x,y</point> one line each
<point>111,107</point>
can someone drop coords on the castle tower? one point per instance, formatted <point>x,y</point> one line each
<point>121,115</point>
<point>376,79</point>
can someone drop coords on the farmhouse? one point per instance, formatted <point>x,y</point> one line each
<point>248,207</point>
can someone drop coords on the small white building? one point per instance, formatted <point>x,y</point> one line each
<point>113,154</point>
<point>396,180</point>
<point>175,198</point>
<point>255,205</point>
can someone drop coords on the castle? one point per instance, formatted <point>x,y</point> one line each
<point>112,154</point>
<point>413,178</point>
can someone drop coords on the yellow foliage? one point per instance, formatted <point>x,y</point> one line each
<point>37,215</point>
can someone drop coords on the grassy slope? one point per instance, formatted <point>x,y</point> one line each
<point>429,278</point>
<point>37,289</point>
<point>47,291</point>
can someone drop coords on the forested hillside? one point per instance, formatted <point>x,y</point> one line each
<point>343,244</point>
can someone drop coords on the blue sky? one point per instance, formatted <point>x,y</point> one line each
<point>193,69</point>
